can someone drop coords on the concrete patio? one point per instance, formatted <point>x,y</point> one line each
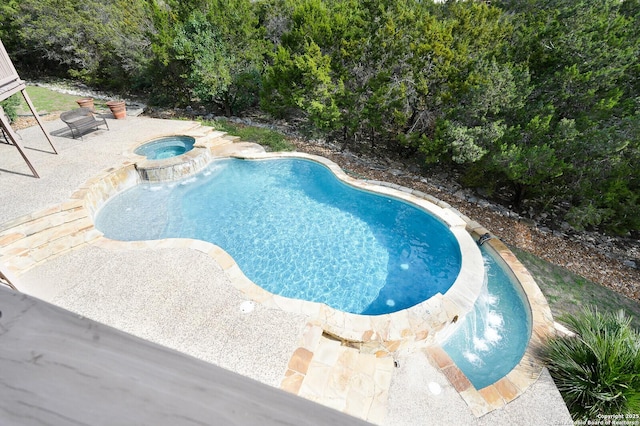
<point>174,295</point>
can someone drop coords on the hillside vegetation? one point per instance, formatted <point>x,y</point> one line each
<point>533,102</point>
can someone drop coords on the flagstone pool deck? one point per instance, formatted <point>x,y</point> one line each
<point>190,296</point>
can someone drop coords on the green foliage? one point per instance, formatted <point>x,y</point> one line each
<point>207,51</point>
<point>8,30</point>
<point>534,98</point>
<point>465,143</point>
<point>489,94</point>
<point>302,78</point>
<point>10,106</point>
<point>101,43</point>
<point>302,82</point>
<point>587,215</point>
<point>607,177</point>
<point>243,92</point>
<point>582,57</point>
<point>598,370</point>
<point>199,46</point>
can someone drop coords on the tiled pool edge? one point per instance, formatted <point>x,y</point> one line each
<point>33,239</point>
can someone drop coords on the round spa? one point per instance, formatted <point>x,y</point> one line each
<point>167,147</point>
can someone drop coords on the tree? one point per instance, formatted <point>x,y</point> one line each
<point>8,30</point>
<point>607,179</point>
<point>210,51</point>
<point>304,77</point>
<point>488,99</point>
<point>201,50</point>
<point>582,62</point>
<point>102,43</point>
<point>302,82</point>
<point>529,160</point>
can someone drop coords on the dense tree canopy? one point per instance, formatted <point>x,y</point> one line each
<point>540,99</point>
<point>103,43</point>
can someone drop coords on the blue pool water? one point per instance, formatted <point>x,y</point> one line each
<point>298,231</point>
<point>167,147</point>
<point>492,338</point>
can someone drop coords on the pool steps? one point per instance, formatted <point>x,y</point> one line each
<point>30,240</point>
<point>36,238</point>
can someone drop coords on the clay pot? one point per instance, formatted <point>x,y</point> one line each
<point>118,109</point>
<point>86,103</point>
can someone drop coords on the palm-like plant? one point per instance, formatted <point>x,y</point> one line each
<point>597,371</point>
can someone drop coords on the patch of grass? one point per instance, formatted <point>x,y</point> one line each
<point>50,101</point>
<point>568,293</point>
<point>275,141</point>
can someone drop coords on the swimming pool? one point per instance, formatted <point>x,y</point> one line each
<point>493,337</point>
<point>297,231</point>
<point>427,323</point>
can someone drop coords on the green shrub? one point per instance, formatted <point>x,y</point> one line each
<point>10,106</point>
<point>598,370</point>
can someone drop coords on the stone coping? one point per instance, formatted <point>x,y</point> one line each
<point>179,166</point>
<point>30,240</point>
<point>419,323</point>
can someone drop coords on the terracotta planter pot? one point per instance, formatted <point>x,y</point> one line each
<point>86,103</point>
<point>118,109</point>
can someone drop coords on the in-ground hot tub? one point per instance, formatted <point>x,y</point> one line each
<point>167,147</point>
<point>169,158</point>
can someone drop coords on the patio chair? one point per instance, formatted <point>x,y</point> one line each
<point>80,120</point>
